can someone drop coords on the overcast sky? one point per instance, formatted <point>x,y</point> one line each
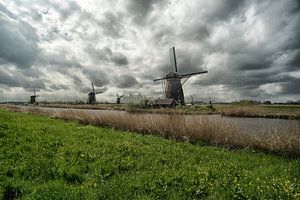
<point>250,48</point>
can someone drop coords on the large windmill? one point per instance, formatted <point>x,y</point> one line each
<point>92,95</point>
<point>172,85</point>
<point>33,98</point>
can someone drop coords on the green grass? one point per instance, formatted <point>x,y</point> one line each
<point>44,158</point>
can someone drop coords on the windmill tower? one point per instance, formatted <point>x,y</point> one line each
<point>92,96</point>
<point>119,98</point>
<point>33,98</point>
<point>172,85</point>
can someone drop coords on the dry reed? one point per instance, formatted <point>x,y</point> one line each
<point>257,112</point>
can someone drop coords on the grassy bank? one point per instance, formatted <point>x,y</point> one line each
<point>44,158</point>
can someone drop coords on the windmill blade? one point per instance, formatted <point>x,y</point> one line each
<point>192,100</point>
<point>173,58</point>
<point>159,79</point>
<point>121,96</point>
<point>118,95</point>
<point>93,87</point>
<point>191,74</point>
<point>34,92</point>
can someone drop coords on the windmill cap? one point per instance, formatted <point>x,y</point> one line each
<point>173,75</point>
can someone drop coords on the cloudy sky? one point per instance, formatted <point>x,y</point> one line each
<point>250,48</point>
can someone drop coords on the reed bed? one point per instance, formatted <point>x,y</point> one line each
<point>193,129</point>
<point>259,112</point>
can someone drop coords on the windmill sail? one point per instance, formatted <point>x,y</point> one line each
<point>191,74</point>
<point>173,58</point>
<point>93,88</point>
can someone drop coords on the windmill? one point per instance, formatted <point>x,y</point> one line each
<point>33,98</point>
<point>119,98</point>
<point>92,95</point>
<point>172,85</point>
<point>192,100</point>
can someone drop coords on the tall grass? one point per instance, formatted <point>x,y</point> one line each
<point>210,130</point>
<point>260,111</point>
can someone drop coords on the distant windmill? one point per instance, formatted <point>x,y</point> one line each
<point>210,103</point>
<point>33,98</point>
<point>119,98</point>
<point>92,96</point>
<point>192,100</point>
<point>172,85</point>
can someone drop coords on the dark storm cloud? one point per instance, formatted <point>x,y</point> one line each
<point>221,10</point>
<point>59,87</point>
<point>60,60</point>
<point>295,60</point>
<point>102,55</point>
<point>246,67</point>
<point>98,77</point>
<point>251,61</point>
<point>71,8</point>
<point>106,55</point>
<point>291,86</point>
<point>197,32</point>
<point>247,80</point>
<point>188,61</point>
<point>126,81</point>
<point>119,59</point>
<point>16,79</point>
<point>33,84</point>
<point>111,24</point>
<point>140,9</point>
<point>101,90</point>
<point>18,40</point>
<point>76,80</point>
<point>8,79</point>
<point>203,15</point>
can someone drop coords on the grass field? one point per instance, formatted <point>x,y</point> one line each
<point>44,158</point>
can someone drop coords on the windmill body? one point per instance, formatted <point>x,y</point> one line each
<point>119,98</point>
<point>173,87</point>
<point>172,84</point>
<point>92,96</point>
<point>33,98</point>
